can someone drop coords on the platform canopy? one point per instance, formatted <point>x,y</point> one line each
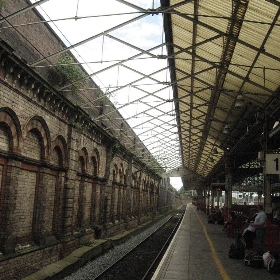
<point>224,62</point>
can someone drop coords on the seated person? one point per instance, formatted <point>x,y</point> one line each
<point>249,234</point>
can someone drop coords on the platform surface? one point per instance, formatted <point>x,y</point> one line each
<point>199,251</point>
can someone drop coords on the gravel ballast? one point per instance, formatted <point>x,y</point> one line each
<point>97,266</point>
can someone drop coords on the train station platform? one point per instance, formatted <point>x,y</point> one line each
<point>199,251</point>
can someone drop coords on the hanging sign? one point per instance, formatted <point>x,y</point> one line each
<point>272,163</point>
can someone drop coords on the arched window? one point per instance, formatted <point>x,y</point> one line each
<point>94,166</point>
<point>81,165</point>
<point>115,173</point>
<point>54,212</point>
<point>4,138</point>
<point>32,147</point>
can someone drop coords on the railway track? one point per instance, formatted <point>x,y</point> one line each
<point>141,261</point>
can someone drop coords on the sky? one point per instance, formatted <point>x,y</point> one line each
<point>176,182</point>
<point>139,95</point>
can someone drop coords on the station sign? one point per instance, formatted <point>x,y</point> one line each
<point>272,163</point>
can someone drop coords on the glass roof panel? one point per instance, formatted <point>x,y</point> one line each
<point>189,67</point>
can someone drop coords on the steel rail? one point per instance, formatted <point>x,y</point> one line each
<point>103,273</point>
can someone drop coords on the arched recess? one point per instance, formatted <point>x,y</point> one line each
<point>143,194</point>
<point>10,123</point>
<point>125,178</point>
<point>10,134</point>
<point>121,195</point>
<point>143,184</point>
<point>152,195</point>
<point>94,162</point>
<point>83,160</point>
<point>37,126</point>
<point>121,173</point>
<point>114,194</point>
<point>54,215</point>
<point>115,173</point>
<point>32,182</point>
<point>97,190</point>
<point>58,155</point>
<point>136,193</point>
<point>83,191</point>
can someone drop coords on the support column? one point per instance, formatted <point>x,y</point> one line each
<point>108,187</point>
<point>228,194</point>
<point>43,228</point>
<point>139,209</point>
<point>267,194</point>
<point>208,201</point>
<point>69,185</point>
<point>204,199</point>
<point>266,183</point>
<point>212,200</point>
<point>113,203</point>
<point>9,226</point>
<point>228,187</point>
<point>128,190</point>
<point>218,199</point>
<point>107,204</point>
<point>68,206</point>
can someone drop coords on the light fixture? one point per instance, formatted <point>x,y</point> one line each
<point>214,151</point>
<point>275,129</point>
<point>239,103</point>
<point>226,129</point>
<point>275,124</point>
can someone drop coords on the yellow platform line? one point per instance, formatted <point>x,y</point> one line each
<point>214,253</point>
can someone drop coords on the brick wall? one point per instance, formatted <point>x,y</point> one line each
<point>87,202</point>
<point>4,140</point>
<point>25,264</point>
<point>48,203</point>
<point>32,146</point>
<point>45,194</point>
<point>23,212</point>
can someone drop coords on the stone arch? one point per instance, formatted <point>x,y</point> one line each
<point>59,145</point>
<point>134,179</point>
<point>83,160</point>
<point>10,121</point>
<point>54,191</point>
<point>115,173</point>
<point>125,178</point>
<point>143,184</point>
<point>138,179</point>
<point>95,162</point>
<point>152,186</point>
<point>38,126</point>
<point>121,173</point>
